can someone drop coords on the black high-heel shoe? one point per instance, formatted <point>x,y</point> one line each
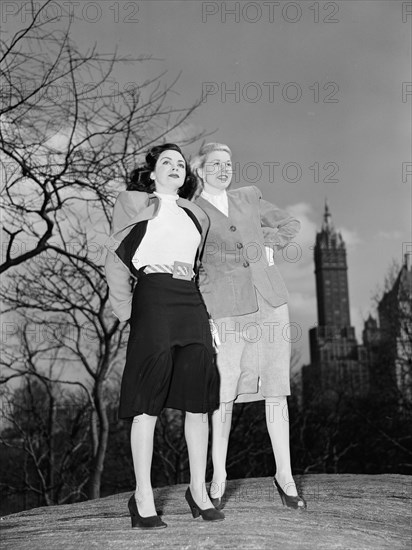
<point>210,514</point>
<point>291,502</point>
<point>150,522</point>
<point>218,502</point>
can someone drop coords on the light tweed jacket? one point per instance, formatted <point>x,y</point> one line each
<point>234,261</point>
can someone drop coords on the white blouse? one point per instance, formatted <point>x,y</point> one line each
<point>220,201</point>
<point>170,236</point>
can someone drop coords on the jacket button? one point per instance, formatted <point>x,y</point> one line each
<point>239,245</point>
<point>245,264</point>
<point>232,228</point>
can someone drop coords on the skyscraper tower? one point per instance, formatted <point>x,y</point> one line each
<point>331,275</point>
<point>337,362</point>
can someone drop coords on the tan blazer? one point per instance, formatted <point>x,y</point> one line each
<point>131,212</point>
<point>234,261</point>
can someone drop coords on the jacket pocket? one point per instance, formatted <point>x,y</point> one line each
<point>219,295</point>
<point>276,280</point>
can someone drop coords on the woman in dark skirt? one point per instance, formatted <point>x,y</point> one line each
<point>157,239</point>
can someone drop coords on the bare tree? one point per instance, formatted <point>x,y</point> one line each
<point>67,130</point>
<point>170,459</point>
<point>368,432</point>
<point>68,140</point>
<point>63,300</point>
<point>46,437</point>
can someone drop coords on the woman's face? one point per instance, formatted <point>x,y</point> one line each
<point>170,172</point>
<point>217,171</point>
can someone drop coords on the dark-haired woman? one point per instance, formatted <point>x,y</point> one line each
<point>157,236</point>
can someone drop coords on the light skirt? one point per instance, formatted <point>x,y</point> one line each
<point>254,354</point>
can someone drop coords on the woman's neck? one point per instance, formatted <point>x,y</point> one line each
<point>213,191</point>
<point>165,195</point>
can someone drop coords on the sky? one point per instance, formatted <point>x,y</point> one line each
<point>313,98</point>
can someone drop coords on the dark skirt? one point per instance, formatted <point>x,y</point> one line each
<point>170,361</point>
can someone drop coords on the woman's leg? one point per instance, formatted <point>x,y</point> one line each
<point>277,421</point>
<point>221,424</point>
<point>141,440</point>
<point>197,434</point>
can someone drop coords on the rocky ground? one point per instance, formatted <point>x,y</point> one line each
<point>344,512</point>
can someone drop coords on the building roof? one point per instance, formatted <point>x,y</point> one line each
<point>328,237</point>
<point>402,287</point>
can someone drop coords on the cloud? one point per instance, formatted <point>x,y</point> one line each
<point>296,262</point>
<point>304,212</point>
<point>303,304</point>
<point>298,272</point>
<point>350,237</point>
<point>390,235</point>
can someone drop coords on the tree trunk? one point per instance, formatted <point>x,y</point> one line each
<point>100,453</point>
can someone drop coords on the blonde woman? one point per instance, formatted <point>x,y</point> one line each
<point>247,299</point>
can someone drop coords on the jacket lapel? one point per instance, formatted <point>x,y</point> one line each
<point>205,204</point>
<point>126,240</point>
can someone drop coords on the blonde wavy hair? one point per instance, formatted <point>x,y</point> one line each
<point>199,161</point>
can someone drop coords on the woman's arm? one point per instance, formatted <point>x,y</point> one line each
<point>117,273</point>
<point>279,228</point>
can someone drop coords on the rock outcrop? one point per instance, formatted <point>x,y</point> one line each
<point>344,512</point>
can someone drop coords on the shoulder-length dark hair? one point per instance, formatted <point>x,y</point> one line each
<point>140,176</point>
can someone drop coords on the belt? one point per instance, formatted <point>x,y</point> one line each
<point>179,270</point>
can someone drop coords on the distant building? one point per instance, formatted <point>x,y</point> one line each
<point>338,364</point>
<point>389,344</point>
<point>371,339</point>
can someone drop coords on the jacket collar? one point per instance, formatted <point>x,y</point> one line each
<point>154,203</point>
<point>145,210</point>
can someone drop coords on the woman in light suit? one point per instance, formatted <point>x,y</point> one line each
<point>247,299</point>
<point>156,240</point>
